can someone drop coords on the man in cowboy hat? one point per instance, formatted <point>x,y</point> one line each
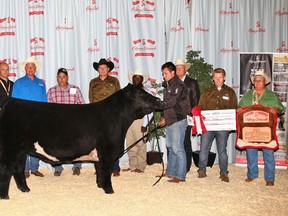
<point>6,85</point>
<point>30,87</point>
<point>102,87</point>
<point>194,94</point>
<point>137,154</point>
<point>261,95</point>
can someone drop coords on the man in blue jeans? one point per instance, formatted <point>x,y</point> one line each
<point>217,96</point>
<point>176,107</point>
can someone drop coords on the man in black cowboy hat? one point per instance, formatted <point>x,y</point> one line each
<point>102,87</point>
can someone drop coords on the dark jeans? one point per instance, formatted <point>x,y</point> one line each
<point>188,147</point>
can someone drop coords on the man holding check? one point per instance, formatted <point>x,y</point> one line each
<point>216,97</point>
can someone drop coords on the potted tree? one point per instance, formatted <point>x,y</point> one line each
<point>155,133</point>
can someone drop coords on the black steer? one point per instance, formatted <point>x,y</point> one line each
<point>67,132</point>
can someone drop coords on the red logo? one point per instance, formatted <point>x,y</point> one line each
<point>115,71</point>
<point>201,29</point>
<point>231,49</point>
<point>178,28</point>
<point>144,47</point>
<point>258,28</point>
<point>12,65</point>
<point>143,8</point>
<point>283,48</point>
<point>65,26</point>
<point>7,26</point>
<point>230,11</point>
<point>92,7</point>
<point>94,48</point>
<point>112,26</point>
<point>37,46</point>
<point>36,7</point>
<point>281,13</point>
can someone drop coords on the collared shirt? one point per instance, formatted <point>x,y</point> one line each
<point>70,95</point>
<point>28,89</point>
<point>101,89</point>
<point>268,99</point>
<point>213,99</point>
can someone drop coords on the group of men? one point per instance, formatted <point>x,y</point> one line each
<point>181,94</point>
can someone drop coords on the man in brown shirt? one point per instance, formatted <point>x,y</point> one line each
<point>102,87</point>
<point>215,97</point>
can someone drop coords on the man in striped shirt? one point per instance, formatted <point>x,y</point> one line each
<point>65,93</point>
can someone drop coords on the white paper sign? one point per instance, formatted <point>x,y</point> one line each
<point>217,120</point>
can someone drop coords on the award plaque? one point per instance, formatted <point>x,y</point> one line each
<point>256,128</point>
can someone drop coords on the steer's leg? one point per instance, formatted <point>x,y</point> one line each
<point>107,166</point>
<point>19,174</point>
<point>98,168</point>
<point>5,178</point>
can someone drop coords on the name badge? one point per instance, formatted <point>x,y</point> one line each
<point>73,91</point>
<point>225,97</point>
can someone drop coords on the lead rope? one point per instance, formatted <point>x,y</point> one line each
<point>159,151</point>
<point>158,145</point>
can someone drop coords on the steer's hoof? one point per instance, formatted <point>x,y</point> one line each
<point>24,189</point>
<point>6,197</point>
<point>109,191</point>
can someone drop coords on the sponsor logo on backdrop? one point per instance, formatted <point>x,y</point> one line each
<point>65,26</point>
<point>37,46</point>
<point>93,6</point>
<point>187,3</point>
<point>112,26</point>
<point>282,12</point>
<point>231,49</point>
<point>189,47</point>
<point>7,26</point>
<point>258,28</point>
<point>144,47</point>
<point>283,48</point>
<point>13,66</point>
<point>143,8</point>
<point>230,11</point>
<point>178,28</point>
<point>115,71</point>
<point>94,48</point>
<point>36,7</point>
<point>201,29</point>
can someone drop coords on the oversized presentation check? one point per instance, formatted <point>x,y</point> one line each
<point>216,120</point>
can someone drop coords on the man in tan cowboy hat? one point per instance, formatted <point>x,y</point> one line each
<point>137,154</point>
<point>261,95</point>
<point>194,95</point>
<point>30,87</point>
<point>102,87</point>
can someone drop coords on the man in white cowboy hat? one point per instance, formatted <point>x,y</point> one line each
<point>194,94</point>
<point>137,154</point>
<point>30,87</point>
<point>261,95</point>
<point>102,87</point>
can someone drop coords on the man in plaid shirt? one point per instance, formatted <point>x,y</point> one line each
<point>65,93</point>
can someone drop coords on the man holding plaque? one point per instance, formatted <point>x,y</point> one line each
<point>216,97</point>
<point>261,95</point>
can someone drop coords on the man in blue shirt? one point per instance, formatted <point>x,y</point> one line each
<point>30,87</point>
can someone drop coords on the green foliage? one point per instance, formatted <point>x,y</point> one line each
<point>200,70</point>
<point>160,132</point>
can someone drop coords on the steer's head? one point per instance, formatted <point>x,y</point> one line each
<point>143,103</point>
